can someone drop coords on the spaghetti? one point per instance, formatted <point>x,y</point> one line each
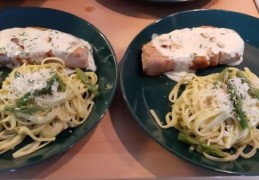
<point>217,114</point>
<point>40,101</point>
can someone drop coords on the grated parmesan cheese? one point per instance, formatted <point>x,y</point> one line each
<point>221,97</point>
<point>223,101</point>
<point>30,82</point>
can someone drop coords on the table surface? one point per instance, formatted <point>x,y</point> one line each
<point>118,147</point>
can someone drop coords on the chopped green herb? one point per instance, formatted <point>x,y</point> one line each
<point>22,34</point>
<point>17,74</point>
<point>33,39</point>
<point>31,81</point>
<point>2,49</point>
<point>69,47</point>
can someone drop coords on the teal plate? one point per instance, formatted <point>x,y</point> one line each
<point>142,93</point>
<point>106,71</point>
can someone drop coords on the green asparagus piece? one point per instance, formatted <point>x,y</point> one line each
<point>201,147</point>
<point>223,76</point>
<point>61,84</point>
<point>253,90</point>
<point>27,97</point>
<point>50,82</point>
<point>237,105</point>
<point>86,81</point>
<point>212,150</point>
<point>240,74</point>
<point>187,139</point>
<point>24,99</point>
<point>29,109</point>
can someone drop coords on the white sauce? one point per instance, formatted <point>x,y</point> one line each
<point>91,65</point>
<point>176,76</point>
<point>183,45</point>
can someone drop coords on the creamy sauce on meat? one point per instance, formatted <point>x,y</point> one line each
<point>30,43</point>
<point>183,45</point>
